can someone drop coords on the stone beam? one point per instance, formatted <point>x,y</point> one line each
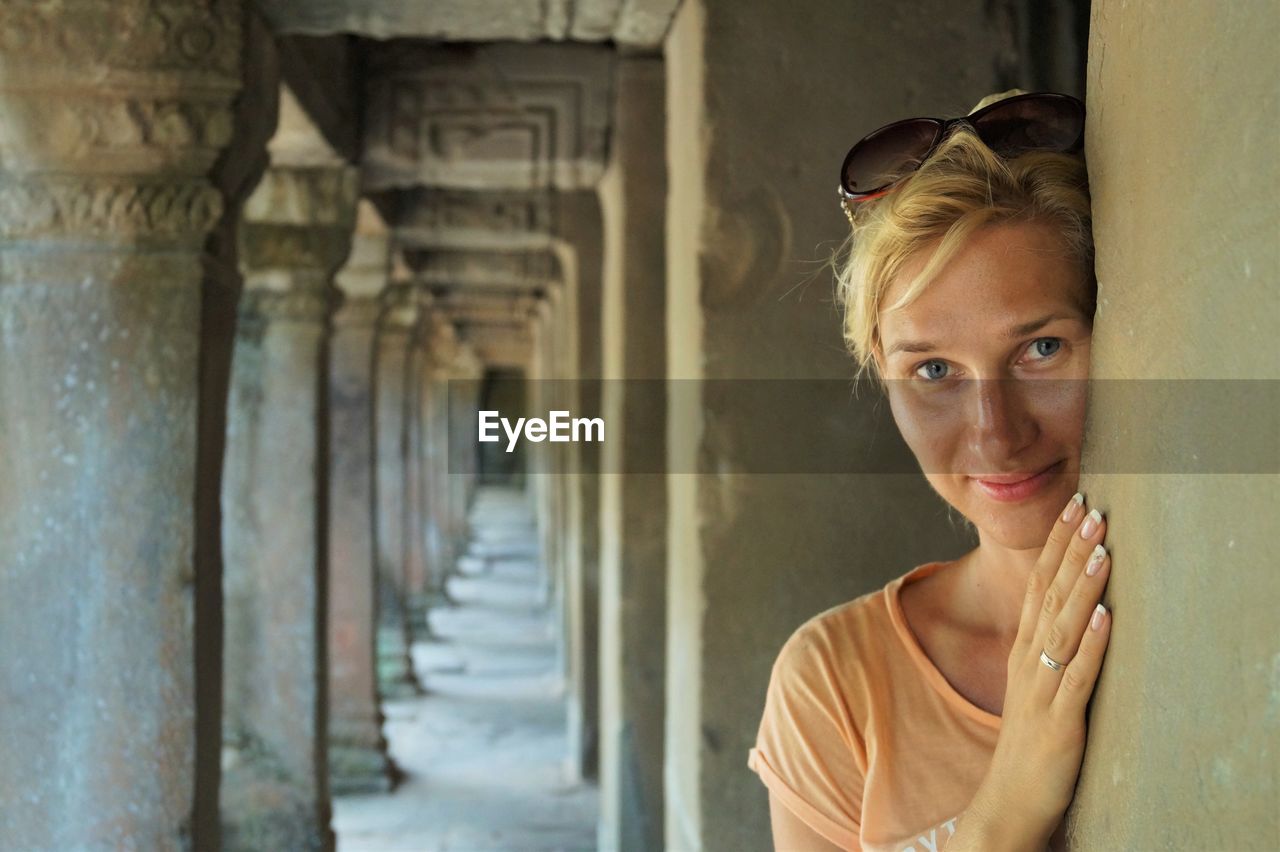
<point>495,220</point>
<point>520,271</point>
<point>629,23</point>
<point>498,345</point>
<point>496,116</point>
<point>490,308</point>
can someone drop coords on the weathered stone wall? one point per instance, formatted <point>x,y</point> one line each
<point>764,101</point>
<point>1184,167</point>
<point>633,571</point>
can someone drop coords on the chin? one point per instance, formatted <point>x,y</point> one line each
<point>1019,526</point>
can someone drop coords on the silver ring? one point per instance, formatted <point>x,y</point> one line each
<point>1050,662</point>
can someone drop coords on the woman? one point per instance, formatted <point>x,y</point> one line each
<point>946,710</point>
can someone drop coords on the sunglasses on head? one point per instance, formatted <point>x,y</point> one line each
<point>1035,121</point>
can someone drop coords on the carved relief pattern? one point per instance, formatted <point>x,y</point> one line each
<point>103,206</point>
<point>488,211</point>
<point>96,141</point>
<point>495,119</point>
<point>146,35</point>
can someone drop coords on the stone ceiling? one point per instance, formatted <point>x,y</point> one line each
<point>638,24</point>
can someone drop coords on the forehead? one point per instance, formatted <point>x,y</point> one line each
<point>1003,274</point>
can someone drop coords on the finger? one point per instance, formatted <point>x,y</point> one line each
<point>1064,637</point>
<point>1047,565</point>
<point>1081,673</point>
<point>1091,532</point>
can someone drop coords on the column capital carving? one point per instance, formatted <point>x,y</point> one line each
<point>115,111</point>
<point>400,305</point>
<point>299,218</point>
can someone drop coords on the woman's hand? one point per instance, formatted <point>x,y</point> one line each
<point>1037,759</point>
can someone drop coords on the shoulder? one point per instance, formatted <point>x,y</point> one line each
<point>830,658</point>
<point>837,632</point>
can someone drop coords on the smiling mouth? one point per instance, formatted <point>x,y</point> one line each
<point>1015,478</point>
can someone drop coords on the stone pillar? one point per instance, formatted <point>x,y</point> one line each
<point>417,471</point>
<point>113,116</point>
<point>296,232</point>
<point>439,553</point>
<point>391,465</point>
<point>576,353</point>
<point>633,504</point>
<point>357,750</point>
<point>751,557</point>
<point>1180,447</point>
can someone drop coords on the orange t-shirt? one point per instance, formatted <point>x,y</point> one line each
<point>862,737</point>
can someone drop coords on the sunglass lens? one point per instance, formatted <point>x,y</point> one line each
<point>887,154</point>
<point>1031,123</point>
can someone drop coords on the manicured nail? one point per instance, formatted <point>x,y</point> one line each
<point>1072,511</point>
<point>1090,524</point>
<point>1095,560</point>
<point>1096,621</point>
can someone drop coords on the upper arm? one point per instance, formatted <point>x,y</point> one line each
<point>808,751</point>
<point>791,834</point>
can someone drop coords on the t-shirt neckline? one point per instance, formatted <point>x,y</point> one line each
<point>931,673</point>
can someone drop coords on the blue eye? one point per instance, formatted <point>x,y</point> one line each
<point>1056,341</point>
<point>941,371</point>
<point>929,379</point>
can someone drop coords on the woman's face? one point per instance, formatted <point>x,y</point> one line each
<point>986,373</point>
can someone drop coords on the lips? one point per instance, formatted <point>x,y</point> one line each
<point>1011,478</point>
<point>1014,487</point>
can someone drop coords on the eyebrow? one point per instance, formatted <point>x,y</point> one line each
<point>1015,332</point>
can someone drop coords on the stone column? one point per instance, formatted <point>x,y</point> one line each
<point>441,551</point>
<point>357,750</point>
<point>748,226</point>
<point>114,112</point>
<point>415,552</point>
<point>633,505</point>
<point>391,465</point>
<point>576,353</point>
<point>426,563</point>
<point>296,232</point>
<point>1181,446</point>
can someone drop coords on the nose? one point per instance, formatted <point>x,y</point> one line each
<point>1001,425</point>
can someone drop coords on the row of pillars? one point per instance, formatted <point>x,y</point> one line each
<point>340,511</point>
<point>229,499</point>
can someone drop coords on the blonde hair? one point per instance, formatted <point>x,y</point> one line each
<point>961,187</point>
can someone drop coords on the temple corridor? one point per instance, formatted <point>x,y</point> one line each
<point>482,755</point>
<point>271,269</point>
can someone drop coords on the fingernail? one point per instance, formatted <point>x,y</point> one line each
<point>1095,560</point>
<point>1090,524</point>
<point>1072,511</point>
<point>1096,621</point>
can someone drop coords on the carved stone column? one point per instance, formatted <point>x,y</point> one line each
<point>114,112</point>
<point>296,232</point>
<point>417,473</point>
<point>439,534</point>
<point>357,750</point>
<point>392,464</point>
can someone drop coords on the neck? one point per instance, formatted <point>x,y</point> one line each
<point>994,578</point>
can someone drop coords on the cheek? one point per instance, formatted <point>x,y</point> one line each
<point>933,430</point>
<point>1059,407</point>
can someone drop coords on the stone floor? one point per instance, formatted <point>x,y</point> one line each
<point>484,752</point>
